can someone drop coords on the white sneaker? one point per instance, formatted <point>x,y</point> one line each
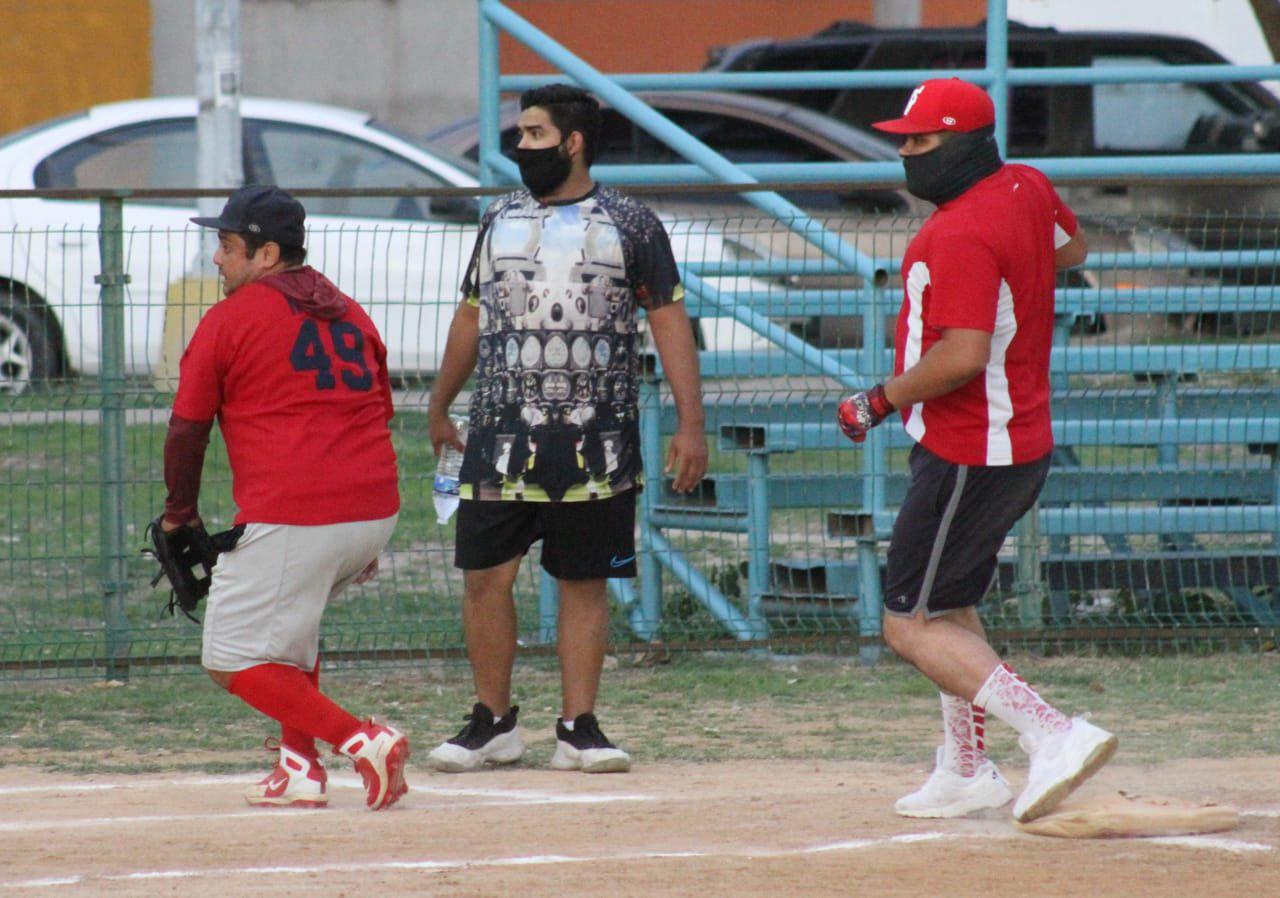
<point>948,794</point>
<point>296,782</point>
<point>480,742</point>
<point>587,749</point>
<point>1060,763</point>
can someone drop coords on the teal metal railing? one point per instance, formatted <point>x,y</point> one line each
<point>851,368</point>
<point>1160,520</point>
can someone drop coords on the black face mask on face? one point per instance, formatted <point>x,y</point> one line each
<point>944,173</point>
<point>542,171</point>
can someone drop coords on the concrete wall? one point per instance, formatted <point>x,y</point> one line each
<point>413,63</point>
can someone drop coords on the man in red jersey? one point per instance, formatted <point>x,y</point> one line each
<point>295,374</point>
<point>971,377</point>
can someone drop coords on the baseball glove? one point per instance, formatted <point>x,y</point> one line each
<point>186,557</point>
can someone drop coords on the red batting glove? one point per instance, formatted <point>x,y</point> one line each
<point>862,411</point>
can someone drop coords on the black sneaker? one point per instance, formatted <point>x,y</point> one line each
<point>587,749</point>
<point>480,742</point>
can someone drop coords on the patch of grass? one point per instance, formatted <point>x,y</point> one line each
<point>699,707</point>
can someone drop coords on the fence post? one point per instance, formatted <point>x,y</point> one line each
<point>548,608</point>
<point>111,303</point>
<point>1029,587</point>
<point>759,580</point>
<point>650,567</point>
<point>875,474</point>
<point>488,98</point>
<point>998,67</point>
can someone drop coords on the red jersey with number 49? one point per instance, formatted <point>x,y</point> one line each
<point>985,261</point>
<point>301,394</point>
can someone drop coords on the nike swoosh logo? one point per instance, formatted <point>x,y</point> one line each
<point>274,784</point>
<point>615,561</point>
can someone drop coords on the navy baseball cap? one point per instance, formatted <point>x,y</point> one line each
<point>264,211</point>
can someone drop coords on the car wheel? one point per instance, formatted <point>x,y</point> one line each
<point>28,346</point>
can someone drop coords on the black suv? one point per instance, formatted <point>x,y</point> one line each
<point>1088,120</point>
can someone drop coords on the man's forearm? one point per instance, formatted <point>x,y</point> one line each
<point>948,365</point>
<point>459,359</point>
<point>1071,253</point>
<point>673,335</point>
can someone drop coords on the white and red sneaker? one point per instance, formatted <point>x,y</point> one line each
<point>296,782</point>
<point>379,753</point>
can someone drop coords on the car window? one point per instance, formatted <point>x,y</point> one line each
<point>738,140</point>
<point>1147,117</point>
<point>158,155</point>
<point>298,156</point>
<point>815,57</point>
<point>468,165</point>
<point>622,143</point>
<point>1028,129</point>
<point>743,140</point>
<point>862,106</point>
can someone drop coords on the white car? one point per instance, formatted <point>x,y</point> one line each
<point>402,258</point>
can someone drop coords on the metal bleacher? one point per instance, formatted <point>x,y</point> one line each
<point>1187,498</point>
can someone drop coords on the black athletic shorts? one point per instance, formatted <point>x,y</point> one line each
<point>589,540</point>
<point>954,519</point>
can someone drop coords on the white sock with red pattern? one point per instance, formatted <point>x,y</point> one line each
<point>1010,698</point>
<point>962,750</point>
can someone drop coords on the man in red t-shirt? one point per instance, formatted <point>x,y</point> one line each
<point>295,374</point>
<point>971,377</point>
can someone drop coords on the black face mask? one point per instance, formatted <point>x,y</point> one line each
<point>542,171</point>
<point>944,173</point>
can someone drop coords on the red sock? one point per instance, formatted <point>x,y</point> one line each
<point>293,738</point>
<point>287,694</point>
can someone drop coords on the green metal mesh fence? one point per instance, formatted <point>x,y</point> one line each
<point>1158,527</point>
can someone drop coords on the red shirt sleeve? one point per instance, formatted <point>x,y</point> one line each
<point>964,283</point>
<point>184,448</point>
<point>194,408</point>
<point>200,372</point>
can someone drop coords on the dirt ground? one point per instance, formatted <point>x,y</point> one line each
<point>757,828</point>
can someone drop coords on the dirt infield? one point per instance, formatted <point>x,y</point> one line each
<point>745,828</point>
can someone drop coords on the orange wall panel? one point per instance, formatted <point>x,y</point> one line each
<point>952,13</point>
<point>60,56</point>
<point>674,35</point>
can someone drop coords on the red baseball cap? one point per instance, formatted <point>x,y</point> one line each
<point>943,104</point>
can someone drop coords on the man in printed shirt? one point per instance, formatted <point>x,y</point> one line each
<point>971,377</point>
<point>549,314</point>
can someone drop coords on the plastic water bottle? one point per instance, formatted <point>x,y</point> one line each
<point>444,489</point>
